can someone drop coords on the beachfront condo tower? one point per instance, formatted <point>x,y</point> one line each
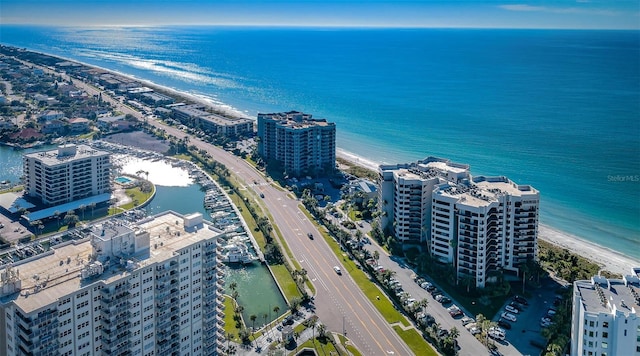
<point>479,225</point>
<point>153,287</point>
<point>605,320</point>
<point>68,173</point>
<point>302,145</point>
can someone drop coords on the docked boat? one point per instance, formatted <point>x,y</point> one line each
<point>237,252</point>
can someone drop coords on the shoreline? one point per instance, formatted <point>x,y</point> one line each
<point>607,258</point>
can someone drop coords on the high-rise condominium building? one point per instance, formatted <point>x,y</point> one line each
<point>301,144</point>
<point>478,224</point>
<point>605,320</point>
<point>70,172</point>
<point>153,288</point>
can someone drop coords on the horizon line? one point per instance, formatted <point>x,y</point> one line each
<point>320,26</point>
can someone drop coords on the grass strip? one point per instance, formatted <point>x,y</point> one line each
<point>416,343</point>
<point>288,285</point>
<point>229,323</point>
<point>352,349</point>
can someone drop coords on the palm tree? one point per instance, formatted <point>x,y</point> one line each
<point>321,330</point>
<point>376,255</point>
<point>253,318</point>
<point>229,337</point>
<point>82,208</point>
<point>276,309</point>
<point>93,206</point>
<point>454,332</point>
<point>57,214</point>
<point>264,318</point>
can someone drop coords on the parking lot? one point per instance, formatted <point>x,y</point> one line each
<point>526,330</point>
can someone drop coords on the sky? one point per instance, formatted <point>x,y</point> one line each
<point>572,14</point>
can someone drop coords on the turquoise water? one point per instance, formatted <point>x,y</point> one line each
<point>123,180</point>
<point>559,110</point>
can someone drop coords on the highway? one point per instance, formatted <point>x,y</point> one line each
<point>339,302</point>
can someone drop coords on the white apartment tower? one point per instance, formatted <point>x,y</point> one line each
<point>153,288</point>
<point>301,144</point>
<point>605,320</point>
<point>70,172</point>
<point>477,224</point>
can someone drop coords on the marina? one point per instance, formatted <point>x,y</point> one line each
<point>181,187</point>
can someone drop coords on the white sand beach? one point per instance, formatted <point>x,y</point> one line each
<point>609,260</point>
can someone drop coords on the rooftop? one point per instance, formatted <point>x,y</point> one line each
<point>57,273</point>
<point>65,153</point>
<point>602,295</point>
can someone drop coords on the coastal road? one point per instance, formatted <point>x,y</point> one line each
<point>339,302</point>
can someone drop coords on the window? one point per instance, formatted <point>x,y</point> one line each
<point>605,334</point>
<point>604,345</point>
<point>605,324</point>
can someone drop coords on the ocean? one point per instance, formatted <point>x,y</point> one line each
<point>557,109</point>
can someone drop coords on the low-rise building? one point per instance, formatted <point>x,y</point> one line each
<point>79,124</point>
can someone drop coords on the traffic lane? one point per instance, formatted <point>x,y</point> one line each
<point>352,297</point>
<point>224,158</point>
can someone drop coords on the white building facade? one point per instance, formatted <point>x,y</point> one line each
<point>71,172</point>
<point>149,289</point>
<point>605,318</point>
<point>478,224</point>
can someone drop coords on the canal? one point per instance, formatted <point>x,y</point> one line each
<point>257,291</point>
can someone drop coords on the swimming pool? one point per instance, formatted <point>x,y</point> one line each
<point>124,180</point>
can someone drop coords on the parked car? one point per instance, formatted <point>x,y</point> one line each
<point>466,320</point>
<point>473,328</point>
<point>504,324</point>
<point>545,324</point>
<point>425,285</point>
<point>511,309</point>
<point>509,317</point>
<point>517,305</point>
<point>520,300</point>
<point>454,311</point>
<point>435,292</point>
<point>445,300</point>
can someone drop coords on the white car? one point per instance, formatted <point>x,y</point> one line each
<point>509,316</point>
<point>466,320</point>
<point>511,309</point>
<point>337,269</point>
